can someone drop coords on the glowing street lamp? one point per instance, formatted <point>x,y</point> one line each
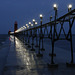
<point>35,23</point>
<point>24,27</point>
<point>54,30</point>
<point>26,24</point>
<point>69,7</point>
<point>29,23</point>
<point>33,20</point>
<point>55,6</point>
<point>41,16</point>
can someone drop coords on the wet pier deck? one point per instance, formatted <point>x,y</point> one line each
<point>17,59</point>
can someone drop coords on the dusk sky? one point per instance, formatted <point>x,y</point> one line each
<point>24,11</point>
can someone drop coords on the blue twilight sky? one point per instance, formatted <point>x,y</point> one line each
<point>24,11</point>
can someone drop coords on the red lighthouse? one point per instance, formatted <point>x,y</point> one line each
<point>15,26</point>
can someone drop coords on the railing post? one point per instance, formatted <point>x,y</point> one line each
<point>33,35</point>
<point>40,37</point>
<point>26,37</point>
<point>36,39</point>
<point>29,40</point>
<point>53,40</point>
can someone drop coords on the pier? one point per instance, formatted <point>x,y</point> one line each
<point>36,57</point>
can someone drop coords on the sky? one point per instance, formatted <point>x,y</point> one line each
<point>24,11</point>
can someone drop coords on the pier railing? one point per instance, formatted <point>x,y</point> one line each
<point>49,30</point>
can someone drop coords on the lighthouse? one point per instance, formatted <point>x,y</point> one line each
<point>15,26</point>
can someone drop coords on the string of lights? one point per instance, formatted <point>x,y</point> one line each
<point>46,18</point>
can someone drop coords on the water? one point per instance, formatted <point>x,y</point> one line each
<point>66,44</point>
<point>3,38</point>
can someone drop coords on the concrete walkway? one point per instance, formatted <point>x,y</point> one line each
<point>17,59</point>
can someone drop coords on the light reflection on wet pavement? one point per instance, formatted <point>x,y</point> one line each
<point>21,61</point>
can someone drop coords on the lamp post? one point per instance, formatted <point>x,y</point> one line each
<point>50,33</point>
<point>54,31</point>
<point>26,25</point>
<point>26,35</point>
<point>21,38</point>
<point>70,33</point>
<point>40,37</point>
<point>53,39</point>
<point>50,18</point>
<point>29,23</point>
<point>69,7</point>
<point>55,8</point>
<point>23,33</point>
<point>32,49</point>
<point>36,36</point>
<point>41,33</point>
<point>29,38</point>
<point>31,30</point>
<point>33,20</point>
<point>35,23</point>
<point>51,27</point>
<point>32,25</point>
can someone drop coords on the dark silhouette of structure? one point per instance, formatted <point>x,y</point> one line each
<point>15,26</point>
<point>49,30</point>
<point>9,32</point>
